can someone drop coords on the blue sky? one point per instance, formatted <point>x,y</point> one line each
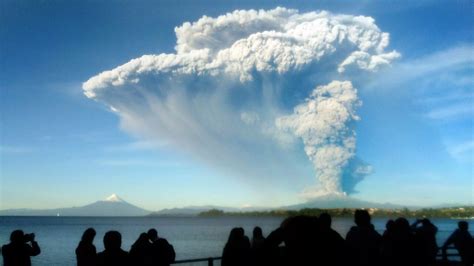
<point>60,148</point>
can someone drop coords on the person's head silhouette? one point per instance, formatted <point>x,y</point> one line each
<point>402,225</point>
<point>152,234</point>
<point>257,232</point>
<point>112,240</point>
<point>463,225</point>
<point>325,220</point>
<point>88,235</point>
<point>235,235</point>
<point>362,218</point>
<point>426,222</point>
<point>390,225</point>
<point>17,237</point>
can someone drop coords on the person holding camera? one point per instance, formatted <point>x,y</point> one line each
<point>21,248</point>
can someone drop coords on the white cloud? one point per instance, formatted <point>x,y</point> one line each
<point>241,42</point>
<point>218,97</point>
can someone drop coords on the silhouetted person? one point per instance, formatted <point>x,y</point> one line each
<point>463,242</point>
<point>237,249</point>
<point>425,236</point>
<point>363,242</point>
<point>400,245</point>
<point>386,250</point>
<point>86,253</point>
<point>257,238</point>
<point>274,254</point>
<point>18,251</point>
<point>140,253</point>
<point>257,246</point>
<point>113,255</point>
<point>300,234</point>
<point>162,253</point>
<point>331,244</point>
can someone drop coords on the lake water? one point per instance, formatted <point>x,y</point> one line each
<point>191,237</point>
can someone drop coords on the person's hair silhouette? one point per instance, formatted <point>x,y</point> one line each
<point>113,255</point>
<point>18,251</point>
<point>86,253</point>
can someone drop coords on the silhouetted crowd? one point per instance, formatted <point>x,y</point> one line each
<point>309,240</point>
<point>300,240</point>
<point>148,249</point>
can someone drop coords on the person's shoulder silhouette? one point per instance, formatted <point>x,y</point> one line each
<point>113,255</point>
<point>18,251</point>
<point>86,253</point>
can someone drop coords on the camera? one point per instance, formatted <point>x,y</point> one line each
<point>29,237</point>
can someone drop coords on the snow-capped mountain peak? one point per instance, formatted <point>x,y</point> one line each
<point>114,198</point>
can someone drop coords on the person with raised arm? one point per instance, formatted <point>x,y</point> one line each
<point>21,247</point>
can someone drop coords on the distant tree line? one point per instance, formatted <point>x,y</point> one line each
<point>457,212</point>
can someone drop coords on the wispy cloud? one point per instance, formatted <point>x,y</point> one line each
<point>462,151</point>
<point>440,83</point>
<point>430,67</point>
<point>452,111</point>
<point>12,150</point>
<point>137,162</point>
<point>136,146</point>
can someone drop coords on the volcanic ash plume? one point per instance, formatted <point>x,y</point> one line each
<point>323,123</point>
<point>226,95</point>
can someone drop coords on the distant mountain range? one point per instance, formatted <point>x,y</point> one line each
<point>115,206</point>
<point>339,201</point>
<point>111,206</point>
<point>195,210</point>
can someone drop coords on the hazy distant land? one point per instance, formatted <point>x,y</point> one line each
<point>452,212</point>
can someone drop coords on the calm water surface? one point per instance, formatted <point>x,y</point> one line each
<point>191,237</point>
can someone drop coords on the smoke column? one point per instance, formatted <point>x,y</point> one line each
<point>230,94</point>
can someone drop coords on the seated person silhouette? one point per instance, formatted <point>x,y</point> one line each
<point>162,252</point>
<point>140,253</point>
<point>86,253</point>
<point>363,242</point>
<point>113,255</point>
<point>463,242</point>
<point>20,249</point>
